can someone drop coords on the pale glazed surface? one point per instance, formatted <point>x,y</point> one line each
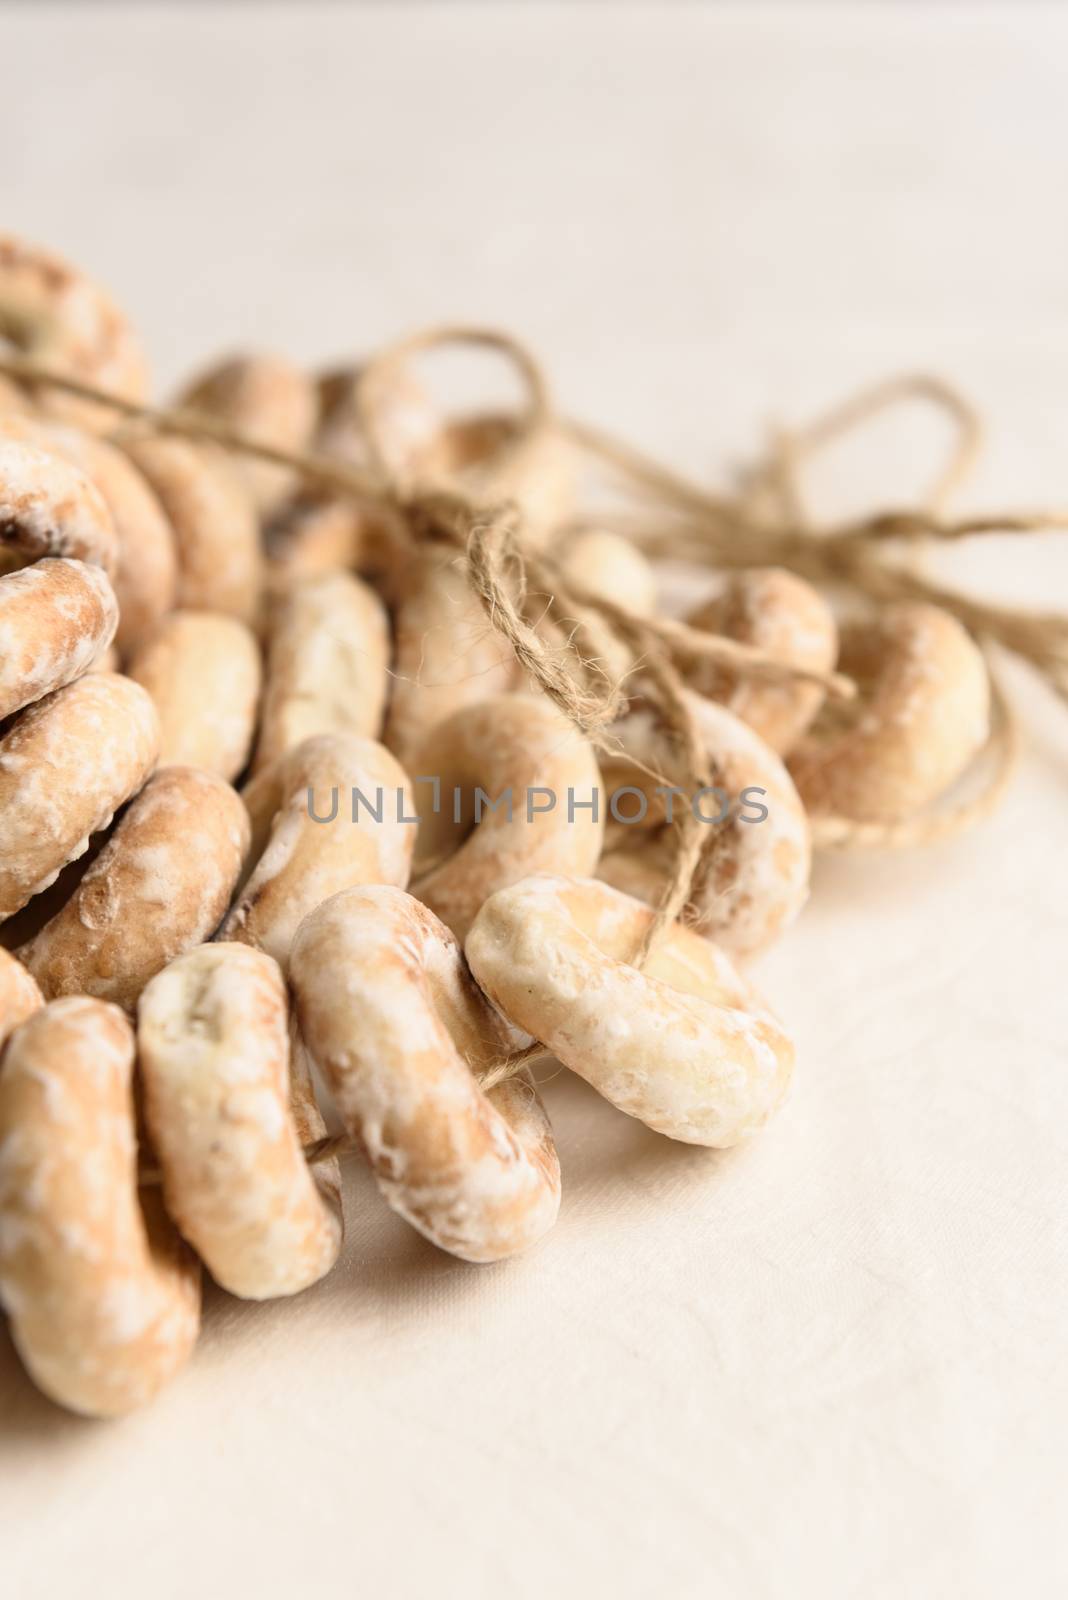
<point>309,535</point>
<point>213,1041</point>
<point>327,664</point>
<point>612,567</point>
<point>57,619</point>
<point>301,860</point>
<point>203,671</point>
<point>62,320</point>
<point>753,877</point>
<point>66,765</point>
<point>103,1298</point>
<point>266,398</point>
<point>19,995</point>
<point>49,508</point>
<point>922,713</point>
<point>515,742</point>
<point>685,1044</point>
<point>390,1014</point>
<point>446,656</point>
<point>215,526</point>
<point>482,455</point>
<point>773,610</point>
<point>408,421</point>
<point>160,885</point>
<point>146,571</point>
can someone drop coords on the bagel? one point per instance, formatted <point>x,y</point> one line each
<point>216,531</point>
<point>57,619</point>
<point>922,713</point>
<point>213,1043</point>
<point>753,877</point>
<point>49,508</point>
<point>203,672</point>
<point>57,317</point>
<point>325,817</point>
<point>102,1296</point>
<point>327,664</point>
<point>516,746</point>
<point>397,1039</point>
<point>769,609</point>
<point>270,401</point>
<point>684,1044</point>
<point>66,765</point>
<point>159,886</point>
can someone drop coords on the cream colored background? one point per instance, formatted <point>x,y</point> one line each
<point>831,1365</point>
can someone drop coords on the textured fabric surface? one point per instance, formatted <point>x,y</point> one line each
<point>829,1365</point>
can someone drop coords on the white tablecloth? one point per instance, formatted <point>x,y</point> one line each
<point>827,1365</point>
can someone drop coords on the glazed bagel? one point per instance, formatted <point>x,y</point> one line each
<point>772,610</point>
<point>213,1042</point>
<point>608,565</point>
<point>753,878</point>
<point>146,565</point>
<point>49,508</point>
<point>324,817</point>
<point>66,765</point>
<point>58,318</point>
<point>102,1296</point>
<point>407,420</point>
<point>310,535</point>
<point>203,672</point>
<point>922,714</point>
<point>216,531</point>
<point>684,1044</point>
<point>446,654</point>
<point>57,619</point>
<point>516,744</point>
<point>327,664</point>
<point>397,1040</point>
<point>160,886</point>
<point>267,399</point>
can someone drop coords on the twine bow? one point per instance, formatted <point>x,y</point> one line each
<point>765,521</point>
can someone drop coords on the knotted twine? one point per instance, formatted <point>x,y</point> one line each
<point>764,522</point>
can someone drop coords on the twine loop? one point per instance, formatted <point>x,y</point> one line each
<point>765,521</point>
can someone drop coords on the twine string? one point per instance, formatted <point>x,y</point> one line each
<point>514,584</point>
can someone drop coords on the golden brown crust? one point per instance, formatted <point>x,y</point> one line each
<point>397,1039</point>
<point>103,1297</point>
<point>159,887</point>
